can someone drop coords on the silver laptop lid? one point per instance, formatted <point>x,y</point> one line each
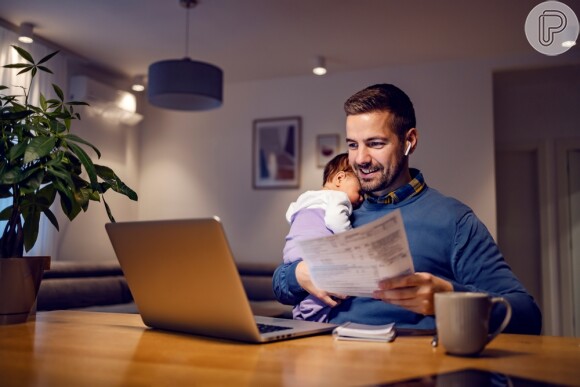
<point>183,277</point>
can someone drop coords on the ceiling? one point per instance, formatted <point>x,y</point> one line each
<point>264,39</point>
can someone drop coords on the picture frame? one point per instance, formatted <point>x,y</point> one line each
<point>276,152</point>
<point>327,147</point>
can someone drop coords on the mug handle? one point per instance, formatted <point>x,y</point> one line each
<point>506,319</point>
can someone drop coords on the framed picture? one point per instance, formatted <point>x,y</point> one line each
<point>327,146</point>
<point>276,153</point>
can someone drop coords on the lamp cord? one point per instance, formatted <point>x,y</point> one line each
<point>187,33</point>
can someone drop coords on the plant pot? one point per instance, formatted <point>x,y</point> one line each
<point>19,282</point>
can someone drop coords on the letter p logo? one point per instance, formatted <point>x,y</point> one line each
<point>551,22</point>
<point>551,28</point>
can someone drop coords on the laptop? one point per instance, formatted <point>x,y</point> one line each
<point>183,278</point>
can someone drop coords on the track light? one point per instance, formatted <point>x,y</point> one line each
<point>25,33</point>
<point>320,67</point>
<point>138,83</point>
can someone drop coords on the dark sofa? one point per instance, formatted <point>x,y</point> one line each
<point>101,286</point>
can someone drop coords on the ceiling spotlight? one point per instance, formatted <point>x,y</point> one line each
<point>138,83</point>
<point>185,84</point>
<point>320,67</point>
<point>25,33</point>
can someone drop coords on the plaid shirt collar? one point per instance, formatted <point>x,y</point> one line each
<point>416,185</point>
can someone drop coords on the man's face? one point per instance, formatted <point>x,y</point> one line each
<point>375,153</point>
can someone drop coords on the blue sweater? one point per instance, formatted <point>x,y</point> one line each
<point>447,240</point>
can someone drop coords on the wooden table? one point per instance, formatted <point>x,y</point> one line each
<point>68,348</point>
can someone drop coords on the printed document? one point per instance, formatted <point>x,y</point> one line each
<point>353,262</point>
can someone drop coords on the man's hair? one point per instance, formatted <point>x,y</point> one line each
<point>338,164</point>
<point>384,97</point>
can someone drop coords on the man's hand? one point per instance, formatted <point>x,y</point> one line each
<point>413,292</point>
<point>303,278</point>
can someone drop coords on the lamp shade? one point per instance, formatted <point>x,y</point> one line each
<point>184,84</point>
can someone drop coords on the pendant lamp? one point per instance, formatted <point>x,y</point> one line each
<point>185,84</point>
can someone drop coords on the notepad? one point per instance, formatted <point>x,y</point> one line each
<point>364,332</point>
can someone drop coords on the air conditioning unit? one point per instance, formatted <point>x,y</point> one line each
<point>105,100</point>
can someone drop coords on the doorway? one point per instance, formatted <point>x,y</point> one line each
<point>568,186</point>
<point>538,230</point>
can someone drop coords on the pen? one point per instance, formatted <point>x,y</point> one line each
<point>435,341</point>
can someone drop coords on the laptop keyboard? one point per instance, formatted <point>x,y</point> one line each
<point>265,328</point>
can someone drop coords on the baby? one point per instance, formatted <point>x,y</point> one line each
<point>321,213</point>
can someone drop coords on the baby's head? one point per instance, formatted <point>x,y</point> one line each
<point>339,176</point>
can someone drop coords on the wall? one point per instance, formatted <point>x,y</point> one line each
<point>199,164</point>
<point>85,238</point>
<point>536,113</point>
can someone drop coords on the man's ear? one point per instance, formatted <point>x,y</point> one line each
<point>411,140</point>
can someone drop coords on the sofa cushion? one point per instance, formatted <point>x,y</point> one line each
<point>81,284</point>
<point>71,293</point>
<point>76,269</point>
<point>101,286</point>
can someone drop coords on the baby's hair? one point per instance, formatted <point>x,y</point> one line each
<point>338,164</point>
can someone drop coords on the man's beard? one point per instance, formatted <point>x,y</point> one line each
<point>385,180</point>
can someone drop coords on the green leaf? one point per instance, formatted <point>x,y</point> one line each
<point>43,102</point>
<point>115,182</point>
<point>17,151</point>
<point>67,202</point>
<point>33,183</point>
<point>30,229</point>
<point>62,175</point>
<point>15,115</point>
<point>74,138</point>
<point>48,193</point>
<point>105,173</point>
<point>11,176</point>
<point>17,66</point>
<point>45,69</point>
<point>95,195</point>
<point>39,147</point>
<point>83,196</point>
<point>58,92</point>
<point>109,213</point>
<point>26,70</point>
<point>47,58</point>
<point>25,178</point>
<point>50,215</point>
<point>23,53</point>
<point>6,213</point>
<point>86,161</point>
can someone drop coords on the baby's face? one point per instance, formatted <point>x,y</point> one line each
<point>351,187</point>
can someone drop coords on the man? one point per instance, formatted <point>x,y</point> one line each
<point>451,249</point>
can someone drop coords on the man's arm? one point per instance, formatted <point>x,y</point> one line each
<point>286,288</point>
<point>292,283</point>
<point>478,266</point>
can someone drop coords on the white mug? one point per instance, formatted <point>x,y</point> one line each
<point>462,320</point>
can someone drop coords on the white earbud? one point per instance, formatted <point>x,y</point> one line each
<point>408,148</point>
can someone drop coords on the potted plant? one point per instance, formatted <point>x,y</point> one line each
<point>40,159</point>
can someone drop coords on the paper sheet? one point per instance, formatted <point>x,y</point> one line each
<point>353,262</point>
